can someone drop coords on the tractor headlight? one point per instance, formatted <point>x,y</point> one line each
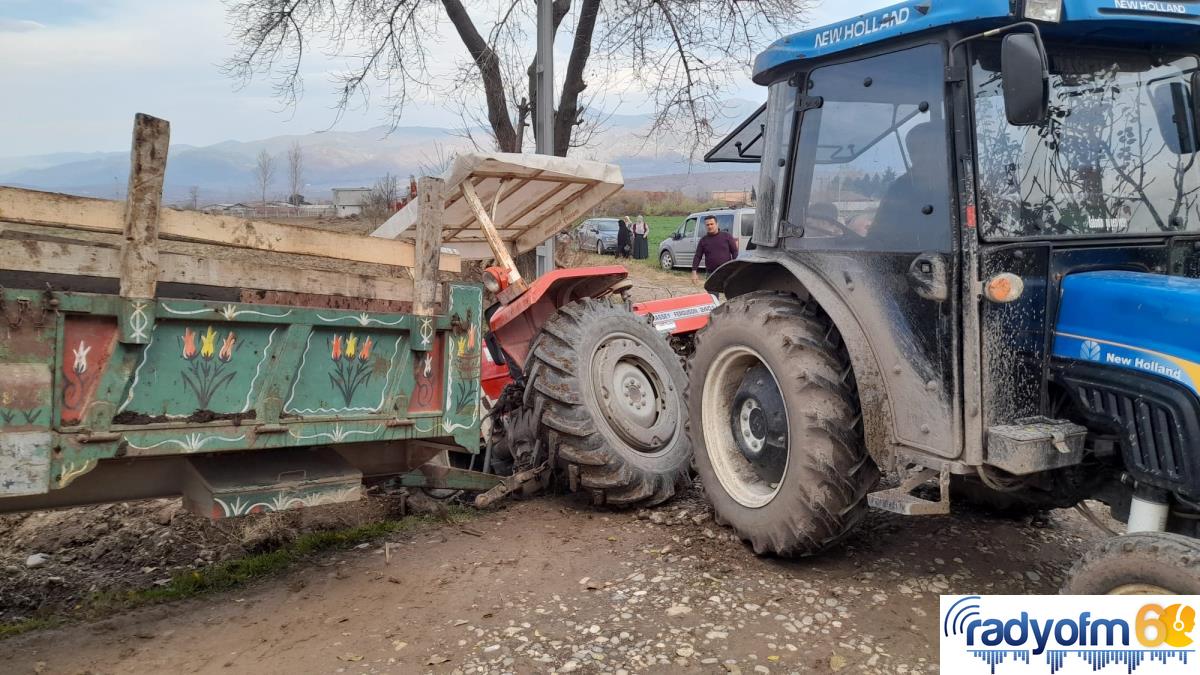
<point>1043,10</point>
<point>491,280</point>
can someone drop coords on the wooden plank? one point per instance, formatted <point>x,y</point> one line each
<point>94,260</point>
<point>470,222</point>
<point>499,249</point>
<point>83,213</point>
<point>147,167</point>
<point>431,206</point>
<point>549,224</point>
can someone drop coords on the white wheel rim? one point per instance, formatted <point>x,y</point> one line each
<point>1140,589</point>
<point>737,477</point>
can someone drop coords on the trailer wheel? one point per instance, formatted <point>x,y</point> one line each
<point>1143,563</point>
<point>776,425</point>
<point>611,393</point>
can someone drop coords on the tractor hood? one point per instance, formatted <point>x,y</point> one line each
<point>1142,322</point>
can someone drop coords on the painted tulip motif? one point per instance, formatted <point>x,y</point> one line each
<point>208,343</point>
<point>226,352</point>
<point>81,353</point>
<point>78,378</point>
<point>189,344</point>
<point>351,364</point>
<point>207,370</point>
<point>466,365</point>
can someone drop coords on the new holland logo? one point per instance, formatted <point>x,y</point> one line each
<point>1060,635</point>
<point>1090,350</point>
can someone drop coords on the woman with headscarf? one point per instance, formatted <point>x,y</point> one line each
<point>641,248</point>
<point>624,238</point>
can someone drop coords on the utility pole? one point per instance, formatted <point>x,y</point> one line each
<point>543,129</point>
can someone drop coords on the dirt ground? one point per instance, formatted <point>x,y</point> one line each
<point>547,585</point>
<point>535,586</point>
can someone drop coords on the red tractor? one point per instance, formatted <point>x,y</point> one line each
<point>591,394</point>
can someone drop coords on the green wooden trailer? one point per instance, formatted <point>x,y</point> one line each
<point>249,367</point>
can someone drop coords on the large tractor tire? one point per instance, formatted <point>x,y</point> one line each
<point>776,425</point>
<point>1143,563</point>
<point>610,394</point>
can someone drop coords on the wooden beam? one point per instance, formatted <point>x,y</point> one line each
<point>556,177</point>
<point>499,250</point>
<point>147,167</point>
<point>95,260</point>
<point>431,203</point>
<point>99,215</point>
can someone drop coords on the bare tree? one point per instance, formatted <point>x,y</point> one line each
<point>295,167</point>
<point>682,53</point>
<point>194,197</point>
<point>382,198</point>
<point>436,162</point>
<point>264,173</point>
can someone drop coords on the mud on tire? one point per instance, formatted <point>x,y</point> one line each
<point>591,360</point>
<point>1139,562</point>
<point>821,495</point>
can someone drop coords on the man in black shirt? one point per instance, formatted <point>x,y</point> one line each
<point>715,248</point>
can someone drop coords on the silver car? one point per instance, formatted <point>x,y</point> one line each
<point>679,249</point>
<point>597,235</point>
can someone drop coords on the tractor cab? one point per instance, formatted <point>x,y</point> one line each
<point>978,240</point>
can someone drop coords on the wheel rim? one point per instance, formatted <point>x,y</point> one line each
<point>632,389</point>
<point>1140,589</point>
<point>666,261</point>
<point>724,423</point>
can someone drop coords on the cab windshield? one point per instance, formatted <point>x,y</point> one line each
<point>1117,156</point>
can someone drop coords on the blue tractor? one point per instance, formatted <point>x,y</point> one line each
<point>976,268</point>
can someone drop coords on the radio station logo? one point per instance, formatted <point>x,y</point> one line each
<point>1068,634</point>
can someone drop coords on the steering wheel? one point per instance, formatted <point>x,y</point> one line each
<point>843,229</point>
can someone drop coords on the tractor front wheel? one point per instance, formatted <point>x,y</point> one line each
<point>609,392</point>
<point>1142,563</point>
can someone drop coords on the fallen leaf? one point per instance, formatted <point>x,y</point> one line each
<point>350,657</point>
<point>837,662</point>
<point>436,659</point>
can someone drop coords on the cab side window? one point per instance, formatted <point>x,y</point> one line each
<point>725,223</point>
<point>872,169</point>
<point>689,228</point>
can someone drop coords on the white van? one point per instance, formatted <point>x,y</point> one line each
<point>678,249</point>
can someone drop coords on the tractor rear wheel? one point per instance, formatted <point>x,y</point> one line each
<point>776,425</point>
<point>610,392</point>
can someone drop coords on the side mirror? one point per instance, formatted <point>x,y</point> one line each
<point>676,236</point>
<point>1026,78</point>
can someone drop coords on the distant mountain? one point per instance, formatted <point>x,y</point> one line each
<point>224,172</point>
<point>699,183</point>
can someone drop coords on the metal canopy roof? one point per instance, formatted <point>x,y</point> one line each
<point>531,198</point>
<point>745,143</point>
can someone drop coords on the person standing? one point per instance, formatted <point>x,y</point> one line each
<point>641,248</point>
<point>623,237</point>
<point>715,248</point>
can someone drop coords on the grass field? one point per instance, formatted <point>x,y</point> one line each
<point>661,227</point>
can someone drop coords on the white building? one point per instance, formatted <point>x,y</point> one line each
<point>350,201</point>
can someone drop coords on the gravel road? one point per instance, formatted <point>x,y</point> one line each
<point>548,586</point>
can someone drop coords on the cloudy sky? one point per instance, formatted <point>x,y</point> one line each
<point>73,72</point>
